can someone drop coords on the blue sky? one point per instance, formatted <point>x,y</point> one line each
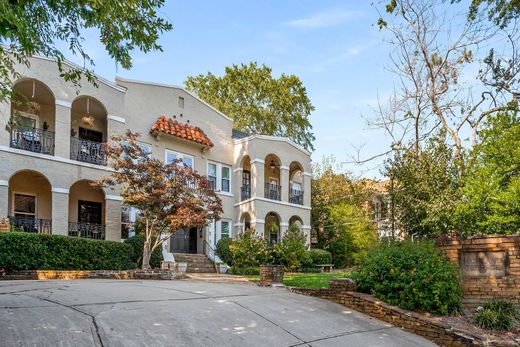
<point>333,46</point>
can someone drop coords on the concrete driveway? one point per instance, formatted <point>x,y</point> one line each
<point>181,313</point>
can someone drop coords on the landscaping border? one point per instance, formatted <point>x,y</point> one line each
<point>91,274</point>
<point>343,292</point>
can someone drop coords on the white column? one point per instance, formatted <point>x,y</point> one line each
<point>284,182</point>
<point>257,178</point>
<point>60,211</point>
<point>113,217</point>
<point>4,198</point>
<point>306,180</point>
<point>284,227</point>
<point>62,129</point>
<point>259,226</point>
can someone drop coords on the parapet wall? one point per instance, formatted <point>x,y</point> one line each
<point>489,265</point>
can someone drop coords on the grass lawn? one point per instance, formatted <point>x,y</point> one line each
<point>316,280</point>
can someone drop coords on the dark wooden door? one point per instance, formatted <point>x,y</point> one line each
<point>89,212</point>
<point>91,135</point>
<point>184,241</point>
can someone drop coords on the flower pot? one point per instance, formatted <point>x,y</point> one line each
<point>222,268</point>
<point>182,267</point>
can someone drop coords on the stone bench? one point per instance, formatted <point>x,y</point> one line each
<point>325,267</point>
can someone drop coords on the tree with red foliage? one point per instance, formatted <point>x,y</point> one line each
<point>169,196</point>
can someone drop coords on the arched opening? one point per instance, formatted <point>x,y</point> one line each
<point>295,183</point>
<point>33,115</point>
<point>273,187</point>
<point>296,221</point>
<point>272,228</point>
<point>245,222</point>
<point>245,189</point>
<point>88,130</point>
<point>86,210</point>
<point>30,202</point>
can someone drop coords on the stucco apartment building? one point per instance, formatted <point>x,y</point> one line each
<point>56,149</point>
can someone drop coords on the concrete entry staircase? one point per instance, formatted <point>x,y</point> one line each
<point>197,263</point>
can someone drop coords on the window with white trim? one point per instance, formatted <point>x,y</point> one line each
<point>212,175</point>
<point>187,160</point>
<point>220,177</point>
<point>225,227</point>
<point>226,179</point>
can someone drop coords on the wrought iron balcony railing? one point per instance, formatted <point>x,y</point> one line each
<point>30,224</point>
<point>296,197</point>
<point>87,151</point>
<point>245,193</point>
<point>273,191</point>
<point>87,230</point>
<point>34,140</point>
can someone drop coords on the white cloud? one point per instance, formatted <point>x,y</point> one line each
<point>324,19</point>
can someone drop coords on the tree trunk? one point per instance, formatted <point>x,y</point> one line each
<point>146,255</point>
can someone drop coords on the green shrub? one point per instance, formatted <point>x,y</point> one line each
<point>27,251</point>
<point>291,252</point>
<point>320,256</point>
<point>499,315</point>
<point>245,271</point>
<point>223,250</point>
<point>249,250</point>
<point>137,244</point>
<point>414,276</point>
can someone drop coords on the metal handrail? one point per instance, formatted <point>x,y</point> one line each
<point>207,245</point>
<point>273,191</point>
<point>245,192</point>
<point>87,230</point>
<point>32,139</point>
<point>31,224</point>
<point>296,197</point>
<point>87,151</point>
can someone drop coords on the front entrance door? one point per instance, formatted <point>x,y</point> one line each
<point>184,241</point>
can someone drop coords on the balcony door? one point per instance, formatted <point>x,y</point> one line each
<point>90,212</point>
<point>90,135</point>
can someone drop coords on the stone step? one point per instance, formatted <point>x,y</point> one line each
<point>197,263</point>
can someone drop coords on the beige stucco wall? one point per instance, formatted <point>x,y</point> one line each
<point>133,105</point>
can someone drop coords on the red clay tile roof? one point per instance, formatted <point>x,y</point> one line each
<point>188,132</point>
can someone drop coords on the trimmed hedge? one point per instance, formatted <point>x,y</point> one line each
<point>320,256</point>
<point>27,251</point>
<point>137,244</point>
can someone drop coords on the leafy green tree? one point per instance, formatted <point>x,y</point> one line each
<point>355,234</point>
<point>258,102</point>
<point>426,188</point>
<point>34,27</point>
<point>330,188</point>
<point>491,194</point>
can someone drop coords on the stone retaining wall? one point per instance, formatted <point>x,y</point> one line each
<point>343,292</point>
<point>489,265</point>
<point>90,274</point>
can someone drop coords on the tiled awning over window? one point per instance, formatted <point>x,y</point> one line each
<point>188,132</point>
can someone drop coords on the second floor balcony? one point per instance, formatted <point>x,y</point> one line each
<point>273,191</point>
<point>245,192</point>
<point>33,140</point>
<point>296,197</point>
<point>87,151</point>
